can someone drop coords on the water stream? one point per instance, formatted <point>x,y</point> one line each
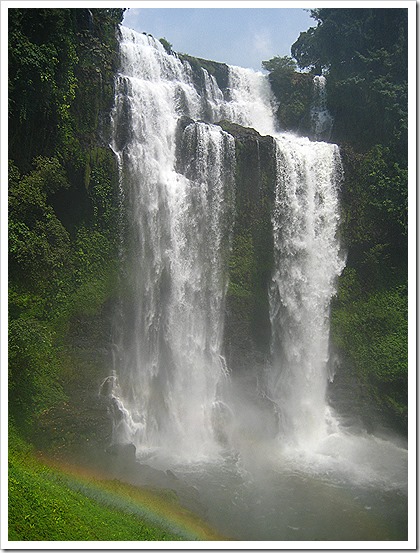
<point>273,463</point>
<point>321,119</point>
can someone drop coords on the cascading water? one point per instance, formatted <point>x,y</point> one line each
<point>180,217</point>
<point>169,388</point>
<point>321,119</point>
<point>307,263</point>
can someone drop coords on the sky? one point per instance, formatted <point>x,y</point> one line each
<point>236,36</point>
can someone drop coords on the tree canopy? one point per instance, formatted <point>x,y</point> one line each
<point>364,53</point>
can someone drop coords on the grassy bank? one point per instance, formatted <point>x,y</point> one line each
<point>50,502</point>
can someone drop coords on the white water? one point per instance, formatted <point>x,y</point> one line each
<point>172,394</point>
<point>321,119</point>
<point>307,263</point>
<point>171,364</point>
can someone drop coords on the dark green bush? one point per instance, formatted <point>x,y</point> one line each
<point>63,193</point>
<point>370,329</point>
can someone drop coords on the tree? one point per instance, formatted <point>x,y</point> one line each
<point>293,91</point>
<point>280,63</point>
<point>363,51</point>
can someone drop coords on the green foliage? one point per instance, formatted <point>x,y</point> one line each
<point>42,83</point>
<point>293,91</point>
<point>283,64</point>
<point>95,271</point>
<point>39,245</point>
<point>371,328</point>
<point>374,204</point>
<point>101,181</point>
<point>386,183</point>
<point>61,64</point>
<point>54,277</point>
<point>364,52</point>
<point>62,227</point>
<point>97,49</point>
<point>34,369</point>
<point>369,318</point>
<point>166,44</point>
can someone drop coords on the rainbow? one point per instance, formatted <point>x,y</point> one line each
<point>154,506</point>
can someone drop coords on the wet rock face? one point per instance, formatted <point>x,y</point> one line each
<point>220,71</point>
<point>247,324</point>
<point>244,134</point>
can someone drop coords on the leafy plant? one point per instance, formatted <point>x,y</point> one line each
<point>293,91</point>
<point>166,44</point>
<point>62,239</point>
<point>372,331</point>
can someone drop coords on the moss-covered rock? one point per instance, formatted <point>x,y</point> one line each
<point>220,71</point>
<point>294,95</point>
<point>247,326</point>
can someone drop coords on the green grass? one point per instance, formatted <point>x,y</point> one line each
<point>69,504</point>
<point>41,507</point>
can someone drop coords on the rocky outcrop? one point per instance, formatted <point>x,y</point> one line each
<point>247,324</point>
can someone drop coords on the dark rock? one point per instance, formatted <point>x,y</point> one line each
<point>244,133</point>
<point>247,324</point>
<point>220,71</point>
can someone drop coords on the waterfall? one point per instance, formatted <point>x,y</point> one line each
<point>307,263</point>
<point>260,450</point>
<point>251,100</point>
<point>180,218</point>
<point>321,118</point>
<point>177,170</point>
